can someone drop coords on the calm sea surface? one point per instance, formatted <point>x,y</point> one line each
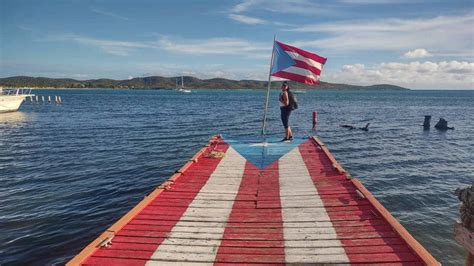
<point>67,172</point>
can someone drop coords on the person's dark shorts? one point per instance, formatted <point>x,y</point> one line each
<point>285,115</point>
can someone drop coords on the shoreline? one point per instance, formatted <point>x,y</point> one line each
<point>193,83</point>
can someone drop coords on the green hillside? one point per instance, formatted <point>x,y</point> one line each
<point>157,82</point>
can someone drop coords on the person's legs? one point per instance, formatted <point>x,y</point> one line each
<point>289,133</point>
<point>284,119</point>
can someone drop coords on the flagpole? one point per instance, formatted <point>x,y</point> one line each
<point>268,88</point>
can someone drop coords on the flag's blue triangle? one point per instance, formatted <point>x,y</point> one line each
<point>281,59</point>
<point>262,153</point>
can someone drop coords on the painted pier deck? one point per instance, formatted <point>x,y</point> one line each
<point>257,203</point>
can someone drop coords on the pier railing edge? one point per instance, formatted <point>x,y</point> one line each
<point>108,234</point>
<point>396,226</point>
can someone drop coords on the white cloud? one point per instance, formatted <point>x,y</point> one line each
<point>216,46</point>
<point>227,46</point>
<point>107,43</point>
<point>304,7</point>
<point>378,2</point>
<point>115,47</point>
<point>121,48</point>
<point>388,24</point>
<point>299,7</point>
<point>245,5</point>
<point>108,14</point>
<point>417,53</point>
<point>247,20</point>
<point>440,35</point>
<point>25,28</point>
<point>420,75</point>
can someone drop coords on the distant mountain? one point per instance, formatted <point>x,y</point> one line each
<point>157,82</point>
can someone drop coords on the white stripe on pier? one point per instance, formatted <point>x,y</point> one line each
<point>178,246</point>
<point>294,177</point>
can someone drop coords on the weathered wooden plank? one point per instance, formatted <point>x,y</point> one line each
<point>329,203</point>
<point>266,250</point>
<point>317,258</point>
<point>125,254</point>
<point>250,204</point>
<point>264,243</point>
<point>110,261</point>
<point>174,263</point>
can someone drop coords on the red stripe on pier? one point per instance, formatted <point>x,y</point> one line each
<point>252,234</point>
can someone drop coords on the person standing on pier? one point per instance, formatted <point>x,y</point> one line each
<point>285,109</point>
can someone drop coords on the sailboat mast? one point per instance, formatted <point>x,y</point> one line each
<point>182,82</point>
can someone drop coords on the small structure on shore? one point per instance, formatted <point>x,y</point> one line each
<point>315,120</point>
<point>464,229</point>
<point>36,99</point>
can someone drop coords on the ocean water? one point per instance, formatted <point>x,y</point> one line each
<point>69,171</point>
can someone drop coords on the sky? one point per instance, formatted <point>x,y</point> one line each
<point>411,43</point>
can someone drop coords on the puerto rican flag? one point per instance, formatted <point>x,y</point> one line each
<point>295,64</point>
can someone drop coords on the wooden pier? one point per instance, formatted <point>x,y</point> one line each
<point>257,203</point>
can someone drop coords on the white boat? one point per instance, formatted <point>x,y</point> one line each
<point>11,99</point>
<point>181,89</point>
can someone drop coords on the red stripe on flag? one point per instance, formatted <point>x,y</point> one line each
<point>249,248</point>
<point>197,174</point>
<point>304,65</point>
<point>296,77</point>
<point>304,53</point>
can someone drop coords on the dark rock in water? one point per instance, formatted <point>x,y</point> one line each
<point>442,124</point>
<point>349,126</point>
<point>366,128</point>
<point>427,122</point>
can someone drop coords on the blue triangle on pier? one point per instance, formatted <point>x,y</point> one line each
<point>261,152</point>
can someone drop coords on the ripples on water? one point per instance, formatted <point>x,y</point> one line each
<point>70,171</point>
